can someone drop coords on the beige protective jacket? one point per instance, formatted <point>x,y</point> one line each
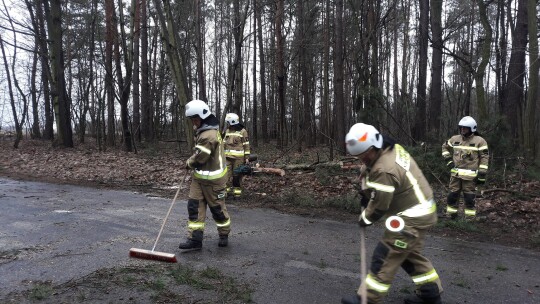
<point>469,154</point>
<point>237,144</point>
<point>208,160</point>
<point>398,187</point>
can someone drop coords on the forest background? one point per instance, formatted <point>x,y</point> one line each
<point>115,76</point>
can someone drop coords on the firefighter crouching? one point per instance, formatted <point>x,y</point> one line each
<point>209,178</point>
<point>467,156</point>
<point>397,187</point>
<point>237,152</point>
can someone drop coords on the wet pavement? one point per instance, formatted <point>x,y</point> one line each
<point>62,233</point>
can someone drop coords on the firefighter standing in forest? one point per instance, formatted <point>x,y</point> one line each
<point>467,156</point>
<point>209,177</point>
<point>237,151</point>
<point>395,187</point>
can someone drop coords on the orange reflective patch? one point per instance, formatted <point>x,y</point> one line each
<point>363,138</point>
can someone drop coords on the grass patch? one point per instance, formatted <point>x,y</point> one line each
<point>348,202</point>
<point>460,224</point>
<point>535,239</point>
<point>153,283</point>
<point>41,291</point>
<point>501,268</point>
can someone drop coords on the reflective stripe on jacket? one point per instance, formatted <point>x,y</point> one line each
<point>400,188</point>
<point>469,154</point>
<point>237,144</point>
<point>208,160</point>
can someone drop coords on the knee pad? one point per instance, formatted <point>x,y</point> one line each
<point>469,199</point>
<point>379,255</point>
<point>236,181</point>
<point>193,209</point>
<point>217,213</point>
<point>453,198</point>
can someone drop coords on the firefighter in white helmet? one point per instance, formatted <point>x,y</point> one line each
<point>209,178</point>
<point>395,187</point>
<point>467,157</point>
<point>237,151</point>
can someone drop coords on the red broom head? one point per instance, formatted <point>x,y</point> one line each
<point>152,255</point>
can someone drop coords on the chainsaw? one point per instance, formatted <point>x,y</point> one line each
<point>249,169</point>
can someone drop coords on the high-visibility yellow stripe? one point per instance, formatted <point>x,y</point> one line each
<point>196,225</point>
<point>209,175</point>
<point>227,223</point>
<point>445,153</point>
<point>469,148</point>
<point>465,172</point>
<point>365,218</point>
<point>233,134</point>
<point>470,212</point>
<point>203,149</point>
<point>234,153</point>
<point>450,209</point>
<point>375,285</point>
<point>380,187</point>
<point>426,277</point>
<point>483,167</point>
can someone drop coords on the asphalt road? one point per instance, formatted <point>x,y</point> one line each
<point>62,233</point>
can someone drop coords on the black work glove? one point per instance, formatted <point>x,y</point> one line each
<point>481,179</point>
<point>364,200</point>
<point>450,163</point>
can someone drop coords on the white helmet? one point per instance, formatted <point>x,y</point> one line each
<point>468,122</point>
<point>361,137</point>
<point>197,108</point>
<point>232,119</point>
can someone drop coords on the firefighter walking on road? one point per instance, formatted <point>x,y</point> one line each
<point>467,156</point>
<point>237,152</point>
<point>209,178</point>
<point>396,188</point>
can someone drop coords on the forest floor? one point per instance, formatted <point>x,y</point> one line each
<point>509,212</point>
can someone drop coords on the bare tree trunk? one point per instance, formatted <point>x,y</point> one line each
<point>171,46</point>
<point>513,105</point>
<point>325,102</point>
<point>146,101</point>
<point>420,117</point>
<point>199,50</point>
<point>109,80</point>
<point>280,73</point>
<point>58,83</point>
<point>501,53</point>
<point>262,73</point>
<point>18,125</point>
<point>136,75</point>
<point>485,51</point>
<point>339,95</point>
<point>124,83</point>
<point>437,68</point>
<point>254,121</point>
<point>533,96</point>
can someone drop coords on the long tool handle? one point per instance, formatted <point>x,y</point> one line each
<point>363,270</point>
<point>170,208</point>
<point>363,286</point>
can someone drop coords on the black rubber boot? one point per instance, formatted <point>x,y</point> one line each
<point>223,240</point>
<point>418,300</point>
<point>190,245</point>
<point>354,299</point>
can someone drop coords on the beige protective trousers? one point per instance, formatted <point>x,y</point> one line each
<point>396,250</point>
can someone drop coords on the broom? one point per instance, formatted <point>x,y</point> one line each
<point>157,255</point>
